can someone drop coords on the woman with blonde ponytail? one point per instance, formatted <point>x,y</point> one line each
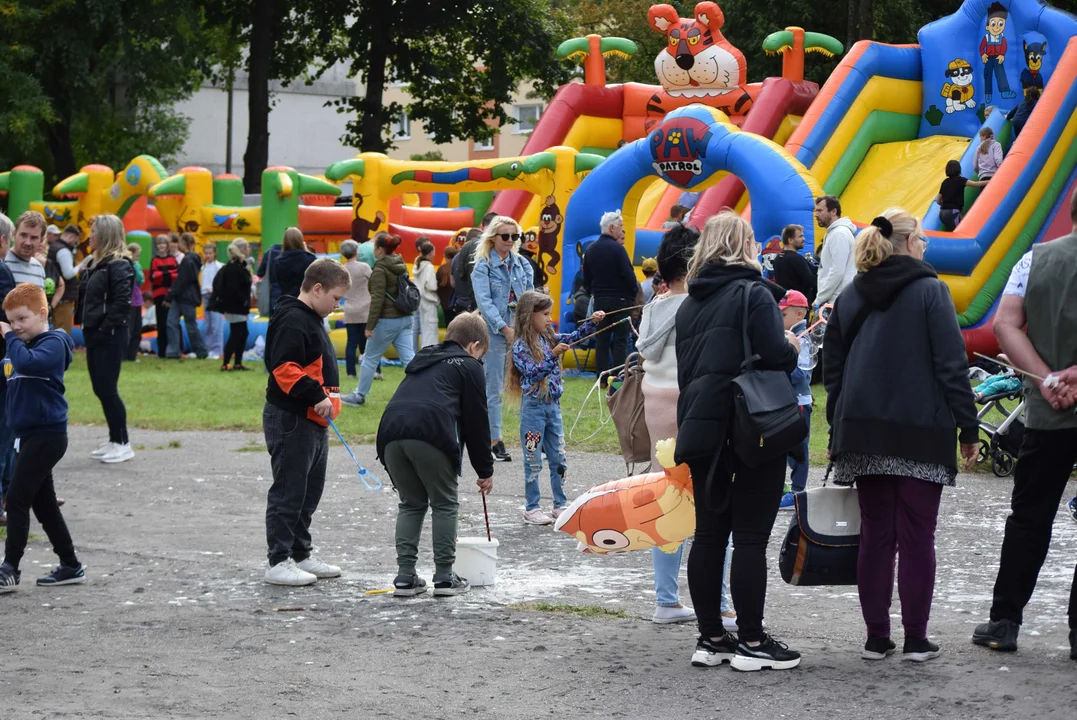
<point>710,332</point>
<point>896,440</point>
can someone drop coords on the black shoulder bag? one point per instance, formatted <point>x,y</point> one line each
<point>766,416</point>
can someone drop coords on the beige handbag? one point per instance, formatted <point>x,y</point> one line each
<point>626,408</point>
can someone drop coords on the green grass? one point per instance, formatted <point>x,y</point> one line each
<point>195,395</point>
<point>587,611</point>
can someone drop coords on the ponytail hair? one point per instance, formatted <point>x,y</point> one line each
<point>887,232</point>
<point>987,135</point>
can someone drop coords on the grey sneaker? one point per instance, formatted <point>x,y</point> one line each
<point>353,399</point>
<point>451,584</point>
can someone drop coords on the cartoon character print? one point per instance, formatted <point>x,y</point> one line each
<point>771,250</point>
<point>362,229</point>
<point>697,60</point>
<point>532,443</point>
<point>550,221</point>
<point>958,88</point>
<point>993,52</point>
<point>1031,75</point>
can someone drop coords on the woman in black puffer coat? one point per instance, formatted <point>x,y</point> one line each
<point>730,498</point>
<point>104,309</point>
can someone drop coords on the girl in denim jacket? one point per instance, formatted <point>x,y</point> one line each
<point>500,277</point>
<point>535,374</point>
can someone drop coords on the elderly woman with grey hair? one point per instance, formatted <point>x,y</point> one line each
<point>356,304</point>
<point>609,278</point>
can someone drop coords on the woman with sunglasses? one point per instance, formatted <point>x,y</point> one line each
<point>896,441</point>
<point>498,280</point>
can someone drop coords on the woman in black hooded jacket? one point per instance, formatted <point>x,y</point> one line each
<point>896,375</point>
<point>729,496</point>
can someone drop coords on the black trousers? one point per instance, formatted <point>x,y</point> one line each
<point>299,451</point>
<point>356,341</point>
<point>134,332</point>
<point>754,495</point>
<point>237,342</point>
<point>32,488</point>
<point>1043,468</point>
<point>104,356</point>
<point>161,310</point>
<point>615,341</point>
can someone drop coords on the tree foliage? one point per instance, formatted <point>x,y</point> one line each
<point>93,78</point>
<point>461,61</point>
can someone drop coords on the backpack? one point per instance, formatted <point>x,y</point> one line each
<point>407,295</point>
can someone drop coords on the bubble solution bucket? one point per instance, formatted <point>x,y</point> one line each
<point>476,560</point>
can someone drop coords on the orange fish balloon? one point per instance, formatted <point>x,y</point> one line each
<point>635,513</point>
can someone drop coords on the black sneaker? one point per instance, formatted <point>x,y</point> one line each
<point>997,635</point>
<point>63,575</point>
<point>769,654</point>
<point>9,578</point>
<point>919,650</point>
<point>451,584</point>
<point>710,653</point>
<point>500,453</point>
<point>408,586</point>
<point>878,648</point>
<point>1073,644</point>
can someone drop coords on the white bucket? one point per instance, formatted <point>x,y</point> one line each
<point>476,560</point>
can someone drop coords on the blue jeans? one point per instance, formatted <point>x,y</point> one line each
<point>214,323</point>
<point>494,368</point>
<point>667,568</point>
<point>175,337</point>
<point>541,431</point>
<point>994,68</point>
<point>388,331</point>
<point>799,478</point>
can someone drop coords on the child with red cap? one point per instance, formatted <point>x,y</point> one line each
<point>794,307</point>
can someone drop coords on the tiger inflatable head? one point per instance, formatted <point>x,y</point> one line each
<point>697,60</point>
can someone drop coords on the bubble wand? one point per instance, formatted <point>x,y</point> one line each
<point>363,472</point>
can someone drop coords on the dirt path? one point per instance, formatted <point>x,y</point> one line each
<point>175,621</point>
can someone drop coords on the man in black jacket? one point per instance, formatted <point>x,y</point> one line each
<point>608,277</point>
<point>791,269</point>
<point>464,263</point>
<point>438,409</point>
<point>184,297</point>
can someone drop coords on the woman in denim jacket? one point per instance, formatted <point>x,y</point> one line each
<point>498,280</point>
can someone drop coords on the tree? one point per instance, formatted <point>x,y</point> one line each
<point>428,155</point>
<point>461,63</point>
<point>102,73</point>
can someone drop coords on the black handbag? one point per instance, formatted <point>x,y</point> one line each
<point>767,422</point>
<point>822,544</point>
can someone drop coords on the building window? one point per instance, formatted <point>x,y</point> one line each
<point>484,145</point>
<point>527,117</point>
<point>402,127</point>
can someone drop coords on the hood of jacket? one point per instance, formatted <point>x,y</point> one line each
<point>842,222</point>
<point>662,313</point>
<point>433,354</point>
<point>393,263</point>
<point>714,277</point>
<point>880,285</point>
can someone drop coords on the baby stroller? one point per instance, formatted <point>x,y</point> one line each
<point>1002,394</point>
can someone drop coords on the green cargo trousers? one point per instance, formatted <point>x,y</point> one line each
<point>424,477</point>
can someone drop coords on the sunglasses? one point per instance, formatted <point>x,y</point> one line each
<point>514,237</point>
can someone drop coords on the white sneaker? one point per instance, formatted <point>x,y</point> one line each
<point>103,450</point>
<point>118,454</point>
<point>288,573</point>
<point>667,615</point>
<point>537,517</point>
<point>319,569</point>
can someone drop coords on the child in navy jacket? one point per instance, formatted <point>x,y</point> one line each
<point>794,307</point>
<point>37,414</point>
<point>535,373</point>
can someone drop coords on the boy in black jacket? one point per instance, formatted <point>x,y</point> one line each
<point>37,413</point>
<point>438,408</point>
<point>302,396</point>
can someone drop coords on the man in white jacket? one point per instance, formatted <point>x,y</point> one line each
<point>837,265</point>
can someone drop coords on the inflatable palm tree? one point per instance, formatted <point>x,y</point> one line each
<point>593,50</point>
<point>792,43</point>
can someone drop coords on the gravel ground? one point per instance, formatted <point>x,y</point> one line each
<point>175,621</point>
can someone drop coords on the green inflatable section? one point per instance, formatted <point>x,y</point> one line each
<point>479,201</point>
<point>879,127</point>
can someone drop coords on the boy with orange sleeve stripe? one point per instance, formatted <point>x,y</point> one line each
<point>302,396</point>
